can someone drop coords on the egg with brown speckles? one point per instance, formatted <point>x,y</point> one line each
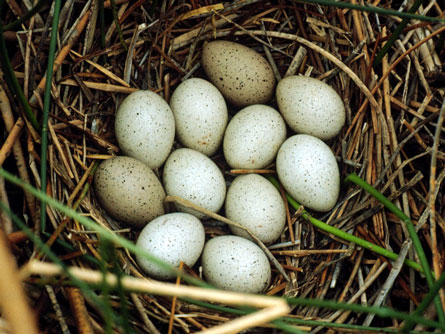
<point>308,171</point>
<point>193,176</point>
<point>254,202</point>
<point>253,137</point>
<point>233,263</point>
<point>129,191</point>
<point>242,75</point>
<point>172,238</point>
<point>310,106</point>
<point>145,127</point>
<point>200,115</point>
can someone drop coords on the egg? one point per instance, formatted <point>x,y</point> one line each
<point>129,191</point>
<point>172,238</point>
<point>233,263</point>
<point>255,203</point>
<point>308,171</point>
<point>253,137</point>
<point>310,106</point>
<point>242,75</point>
<point>145,127</point>
<point>195,177</point>
<point>200,115</point>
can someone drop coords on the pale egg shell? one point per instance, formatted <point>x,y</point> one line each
<point>200,115</point>
<point>242,75</point>
<point>308,170</point>
<point>172,238</point>
<point>253,137</point>
<point>233,263</point>
<point>193,176</point>
<point>129,191</point>
<point>255,203</point>
<point>145,127</point>
<point>310,106</point>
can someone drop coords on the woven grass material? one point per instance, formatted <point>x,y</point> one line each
<point>390,140</point>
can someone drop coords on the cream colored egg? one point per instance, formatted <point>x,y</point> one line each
<point>193,176</point>
<point>129,191</point>
<point>171,238</point>
<point>200,115</point>
<point>310,106</point>
<point>145,127</point>
<point>255,203</point>
<point>233,263</point>
<point>253,137</point>
<point>242,75</point>
<point>308,170</point>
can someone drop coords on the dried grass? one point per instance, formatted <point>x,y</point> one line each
<point>393,139</point>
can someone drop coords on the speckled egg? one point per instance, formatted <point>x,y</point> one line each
<point>172,238</point>
<point>242,75</point>
<point>308,170</point>
<point>253,137</point>
<point>193,176</point>
<point>255,203</point>
<point>310,106</point>
<point>233,263</point>
<point>200,115</point>
<point>129,191</point>
<point>145,127</point>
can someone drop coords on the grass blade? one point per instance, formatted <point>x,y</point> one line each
<point>96,227</point>
<point>16,24</point>
<point>50,255</point>
<point>395,35</point>
<point>380,311</point>
<point>118,26</point>
<point>12,81</point>
<point>343,235</point>
<point>411,230</point>
<point>425,302</point>
<point>102,29</point>
<point>46,106</point>
<point>377,10</point>
<point>383,312</point>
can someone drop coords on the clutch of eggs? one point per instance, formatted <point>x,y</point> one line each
<point>255,137</point>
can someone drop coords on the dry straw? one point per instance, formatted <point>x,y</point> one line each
<point>107,49</point>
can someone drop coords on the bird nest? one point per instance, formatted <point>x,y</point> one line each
<point>359,253</point>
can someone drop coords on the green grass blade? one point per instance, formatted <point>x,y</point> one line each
<point>99,229</point>
<point>279,323</point>
<point>377,10</point>
<point>395,35</point>
<point>12,81</point>
<point>105,248</point>
<point>46,106</point>
<point>102,29</point>
<point>70,249</point>
<point>118,26</point>
<point>102,303</point>
<point>16,24</point>
<point>92,226</point>
<point>344,235</point>
<point>412,233</point>
<point>383,312</point>
<point>426,301</point>
<point>345,326</point>
<point>50,255</point>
